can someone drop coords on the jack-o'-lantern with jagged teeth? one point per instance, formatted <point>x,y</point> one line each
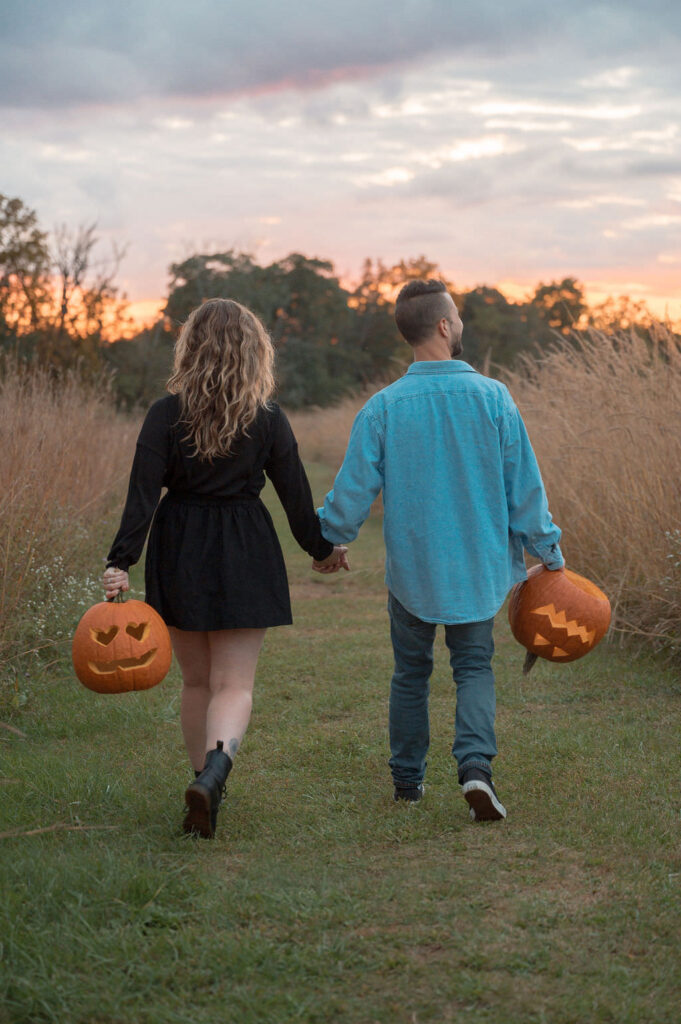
<point>119,646</point>
<point>557,615</point>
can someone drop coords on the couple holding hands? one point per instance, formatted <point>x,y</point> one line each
<point>462,498</point>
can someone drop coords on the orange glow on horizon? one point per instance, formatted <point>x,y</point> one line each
<point>146,312</point>
<point>663,304</point>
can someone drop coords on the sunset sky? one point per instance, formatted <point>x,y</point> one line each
<point>510,142</point>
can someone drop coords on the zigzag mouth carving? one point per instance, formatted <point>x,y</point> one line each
<point>559,620</point>
<point>125,664</point>
<point>557,652</point>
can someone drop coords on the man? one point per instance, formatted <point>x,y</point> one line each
<point>462,497</point>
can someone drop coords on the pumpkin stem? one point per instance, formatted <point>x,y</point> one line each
<point>530,659</point>
<point>119,599</point>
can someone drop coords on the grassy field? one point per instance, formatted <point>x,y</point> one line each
<point>321,900</point>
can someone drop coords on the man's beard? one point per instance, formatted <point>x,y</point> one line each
<point>456,348</point>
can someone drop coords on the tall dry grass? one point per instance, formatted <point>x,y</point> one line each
<point>64,452</point>
<point>604,416</point>
<point>322,434</point>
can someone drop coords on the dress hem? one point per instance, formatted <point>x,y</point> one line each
<point>194,628</point>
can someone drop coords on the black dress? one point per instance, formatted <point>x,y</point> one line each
<point>213,557</point>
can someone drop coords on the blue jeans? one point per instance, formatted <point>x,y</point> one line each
<point>470,654</point>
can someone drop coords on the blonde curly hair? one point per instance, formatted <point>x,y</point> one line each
<point>223,373</point>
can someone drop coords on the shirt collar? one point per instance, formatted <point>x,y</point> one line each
<point>440,366</point>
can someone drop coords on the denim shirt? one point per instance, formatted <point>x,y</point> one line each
<point>462,491</point>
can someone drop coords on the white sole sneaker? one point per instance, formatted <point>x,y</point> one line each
<point>483,803</point>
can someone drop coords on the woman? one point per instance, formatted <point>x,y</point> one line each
<point>214,568</point>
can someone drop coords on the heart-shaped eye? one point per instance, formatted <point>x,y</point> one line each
<point>137,630</point>
<point>103,636</point>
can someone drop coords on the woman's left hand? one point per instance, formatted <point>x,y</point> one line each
<point>114,581</point>
<point>338,559</point>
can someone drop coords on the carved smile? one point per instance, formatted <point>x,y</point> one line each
<point>124,664</point>
<point>559,621</point>
<point>557,652</point>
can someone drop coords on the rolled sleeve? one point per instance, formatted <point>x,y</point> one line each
<point>552,557</point>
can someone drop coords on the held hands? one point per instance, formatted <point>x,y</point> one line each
<point>338,559</point>
<point>114,581</point>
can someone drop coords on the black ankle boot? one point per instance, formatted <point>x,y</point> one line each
<point>203,796</point>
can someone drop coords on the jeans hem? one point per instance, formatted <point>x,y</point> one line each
<point>474,762</point>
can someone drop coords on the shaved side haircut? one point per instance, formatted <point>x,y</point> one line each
<point>419,307</point>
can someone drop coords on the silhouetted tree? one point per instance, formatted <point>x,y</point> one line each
<point>24,271</point>
<point>560,304</point>
<point>496,330</point>
<point>58,305</point>
<point>140,365</point>
<point>321,346</point>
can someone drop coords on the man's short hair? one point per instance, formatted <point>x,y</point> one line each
<point>419,307</point>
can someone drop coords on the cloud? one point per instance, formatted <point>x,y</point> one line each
<point>72,53</point>
<point>115,52</point>
<point>656,168</point>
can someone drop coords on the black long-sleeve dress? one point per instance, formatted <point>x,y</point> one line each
<point>213,558</point>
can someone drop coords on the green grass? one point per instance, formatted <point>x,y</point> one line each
<point>321,900</point>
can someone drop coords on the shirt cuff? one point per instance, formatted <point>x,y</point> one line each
<point>328,532</point>
<point>552,558</point>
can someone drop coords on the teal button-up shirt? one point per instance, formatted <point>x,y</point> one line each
<point>462,491</point>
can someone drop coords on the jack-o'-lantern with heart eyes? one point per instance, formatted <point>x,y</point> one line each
<point>557,615</point>
<point>119,646</point>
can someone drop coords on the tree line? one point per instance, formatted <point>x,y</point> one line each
<point>60,307</point>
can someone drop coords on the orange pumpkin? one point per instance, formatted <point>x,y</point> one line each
<point>120,646</point>
<point>560,616</point>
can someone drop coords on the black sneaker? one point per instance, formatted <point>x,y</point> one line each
<point>411,794</point>
<point>481,796</point>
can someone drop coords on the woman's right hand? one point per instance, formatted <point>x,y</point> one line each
<point>114,581</point>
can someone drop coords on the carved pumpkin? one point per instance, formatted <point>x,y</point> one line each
<point>120,646</point>
<point>560,616</point>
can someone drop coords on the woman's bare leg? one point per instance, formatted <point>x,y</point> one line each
<point>218,672</point>
<point>192,651</point>
<point>233,661</point>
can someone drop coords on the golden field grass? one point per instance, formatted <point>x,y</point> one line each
<point>604,416</point>
<point>64,454</point>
